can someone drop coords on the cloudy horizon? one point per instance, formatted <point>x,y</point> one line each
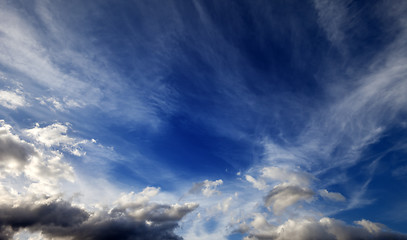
<point>203,120</point>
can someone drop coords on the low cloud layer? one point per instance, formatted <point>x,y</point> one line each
<point>40,207</point>
<point>323,229</point>
<point>58,218</point>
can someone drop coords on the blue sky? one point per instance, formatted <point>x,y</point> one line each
<point>203,119</point>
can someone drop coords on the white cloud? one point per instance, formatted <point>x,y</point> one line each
<point>259,184</point>
<point>371,227</point>
<point>42,168</point>
<point>12,99</point>
<point>225,204</point>
<point>331,195</point>
<point>56,135</point>
<point>64,70</point>
<point>286,176</point>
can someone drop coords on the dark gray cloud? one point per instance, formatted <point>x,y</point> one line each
<point>41,217</point>
<point>62,219</point>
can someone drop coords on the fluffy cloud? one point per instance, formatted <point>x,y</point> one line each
<point>289,187</point>
<point>56,135</point>
<point>324,229</point>
<point>41,168</point>
<point>331,195</point>
<point>12,99</point>
<point>207,187</point>
<point>14,152</point>
<point>283,196</point>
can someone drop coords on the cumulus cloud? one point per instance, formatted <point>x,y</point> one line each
<point>283,196</point>
<point>56,135</point>
<point>331,195</point>
<point>42,168</point>
<point>207,187</point>
<point>39,206</point>
<point>324,229</point>
<point>12,99</point>
<point>14,152</point>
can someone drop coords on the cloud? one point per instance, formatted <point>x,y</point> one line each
<point>331,195</point>
<point>36,203</point>
<point>64,71</point>
<point>286,176</point>
<point>207,187</point>
<point>333,19</point>
<point>56,135</point>
<point>14,152</point>
<point>283,196</point>
<point>41,168</point>
<point>400,171</point>
<point>324,229</point>
<point>12,99</point>
<point>259,184</point>
<point>133,217</point>
<point>370,226</point>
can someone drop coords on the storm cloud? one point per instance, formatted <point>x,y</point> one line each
<point>62,219</point>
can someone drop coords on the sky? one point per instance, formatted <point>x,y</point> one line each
<point>203,119</point>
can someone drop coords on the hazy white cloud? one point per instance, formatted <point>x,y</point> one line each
<point>286,176</point>
<point>259,184</point>
<point>331,195</point>
<point>333,19</point>
<point>400,171</point>
<point>57,104</point>
<point>371,226</point>
<point>12,99</point>
<point>225,204</point>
